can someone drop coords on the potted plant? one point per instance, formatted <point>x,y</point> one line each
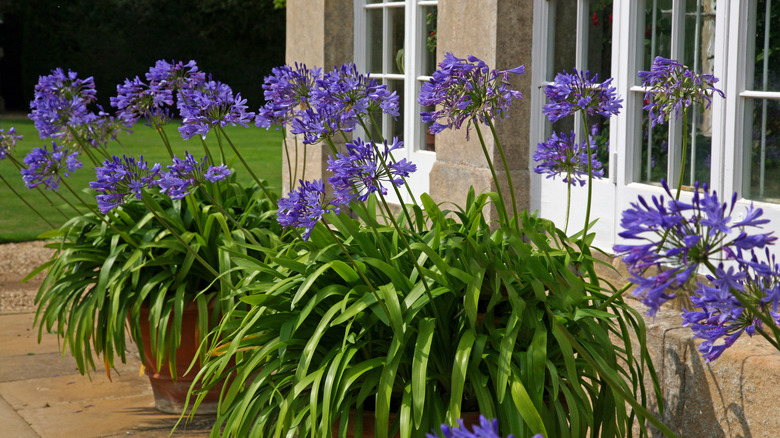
<point>153,263</point>
<point>421,315</point>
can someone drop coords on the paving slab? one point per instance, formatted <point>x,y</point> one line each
<point>19,337</point>
<point>76,388</point>
<point>101,418</point>
<point>12,424</point>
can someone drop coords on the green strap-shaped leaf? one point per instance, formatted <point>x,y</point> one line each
<point>422,350</point>
<point>526,407</point>
<point>459,370</point>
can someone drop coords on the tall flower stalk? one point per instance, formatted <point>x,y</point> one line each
<point>468,91</point>
<point>578,94</point>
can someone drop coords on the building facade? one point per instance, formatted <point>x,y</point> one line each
<point>733,145</point>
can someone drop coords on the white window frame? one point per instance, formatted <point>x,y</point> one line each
<point>414,27</point>
<point>548,196</point>
<point>732,31</point>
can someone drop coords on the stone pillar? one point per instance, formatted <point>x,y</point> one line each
<point>500,33</point>
<point>319,34</point>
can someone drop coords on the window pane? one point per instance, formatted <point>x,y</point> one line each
<point>374,41</point>
<point>762,150</point>
<point>699,154</point>
<point>428,40</point>
<point>599,131</point>
<point>396,35</point>
<point>765,48</point>
<point>699,40</point>
<point>395,127</point>
<point>653,148</point>
<point>427,141</point>
<point>564,47</point>
<point>600,38</point>
<point>658,32</point>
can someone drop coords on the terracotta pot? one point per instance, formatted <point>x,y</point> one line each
<point>170,395</point>
<point>469,420</point>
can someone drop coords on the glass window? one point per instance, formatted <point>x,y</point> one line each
<point>762,114</point>
<point>684,31</point>
<point>400,59</point>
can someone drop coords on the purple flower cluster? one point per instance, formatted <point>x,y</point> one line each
<point>672,87</point>
<point>561,155</point>
<point>153,100</point>
<point>286,90</point>
<point>466,90</point>
<point>48,167</point>
<point>119,178</point>
<point>8,141</point>
<point>210,105</point>
<point>185,175</point>
<point>678,237</point>
<point>485,429</point>
<point>60,100</point>
<point>319,106</point>
<point>363,169</point>
<point>305,207</point>
<point>579,91</point>
<point>718,314</point>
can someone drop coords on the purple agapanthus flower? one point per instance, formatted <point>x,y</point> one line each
<point>185,175</point>
<point>175,76</point>
<point>677,237</point>
<point>579,91</point>
<point>211,105</point>
<point>8,141</point>
<point>485,429</point>
<point>304,207</point>
<point>466,90</point>
<point>120,178</point>
<point>362,171</point>
<point>60,101</point>
<point>561,155</point>
<point>724,308</point>
<point>49,167</point>
<point>286,91</point>
<point>354,93</point>
<point>324,121</point>
<point>672,87</point>
<point>135,100</point>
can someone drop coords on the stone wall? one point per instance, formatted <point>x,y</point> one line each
<point>500,33</point>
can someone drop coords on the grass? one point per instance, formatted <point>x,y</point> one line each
<point>261,149</point>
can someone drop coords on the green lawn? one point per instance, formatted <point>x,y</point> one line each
<point>261,149</point>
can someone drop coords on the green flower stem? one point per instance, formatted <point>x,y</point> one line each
<point>411,253</point>
<point>492,171</point>
<point>249,169</point>
<point>20,166</point>
<point>292,175</point>
<point>228,215</point>
<point>503,160</point>
<point>568,205</point>
<point>684,153</point>
<point>395,188</point>
<point>590,175</point>
<point>408,189</point>
<point>303,172</point>
<point>208,152</point>
<point>25,202</point>
<point>85,147</point>
<point>179,238</point>
<point>359,271</point>
<point>159,128</point>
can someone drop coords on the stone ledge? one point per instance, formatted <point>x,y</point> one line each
<point>734,396</point>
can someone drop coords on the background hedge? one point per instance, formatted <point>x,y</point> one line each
<point>237,41</point>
